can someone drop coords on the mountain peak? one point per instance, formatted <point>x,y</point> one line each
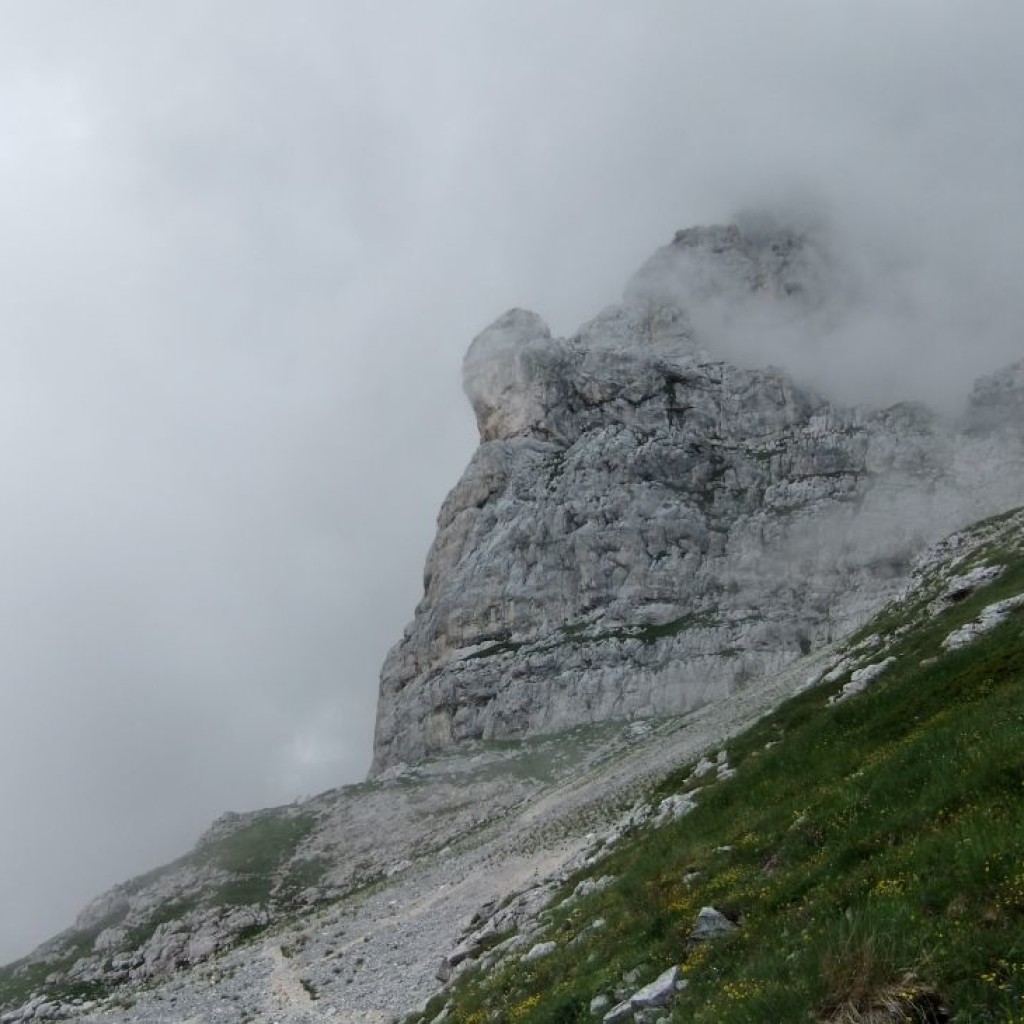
<point>502,374</point>
<point>727,262</point>
<point>644,529</point>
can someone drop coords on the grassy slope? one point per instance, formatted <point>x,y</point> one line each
<point>875,858</point>
<point>253,857</point>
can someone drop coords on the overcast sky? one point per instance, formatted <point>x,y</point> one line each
<point>243,247</point>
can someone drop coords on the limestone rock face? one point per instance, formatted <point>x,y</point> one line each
<point>644,528</point>
<point>504,374</point>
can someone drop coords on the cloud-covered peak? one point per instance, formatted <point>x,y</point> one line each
<point>727,263</point>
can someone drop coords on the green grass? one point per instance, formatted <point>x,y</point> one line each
<point>261,846</point>
<point>580,633</point>
<point>255,854</point>
<point>19,982</point>
<point>23,979</point>
<point>174,910</point>
<point>876,858</point>
<point>502,647</point>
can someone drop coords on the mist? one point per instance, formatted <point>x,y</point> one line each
<point>245,245</point>
<point>861,327</point>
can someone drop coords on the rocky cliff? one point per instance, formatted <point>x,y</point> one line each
<point>645,528</point>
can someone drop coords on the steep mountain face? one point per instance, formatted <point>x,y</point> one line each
<point>644,528</point>
<point>642,531</point>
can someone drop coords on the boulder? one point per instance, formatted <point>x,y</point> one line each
<point>711,923</point>
<point>541,949</point>
<point>658,993</point>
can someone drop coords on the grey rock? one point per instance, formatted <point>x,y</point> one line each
<point>109,938</point>
<point>991,616</point>
<point>591,885</point>
<point>644,529</point>
<point>540,950</point>
<point>674,807</point>
<point>463,951</point>
<point>658,992</point>
<point>839,670</point>
<point>861,679</point>
<point>965,584</point>
<point>620,1012</point>
<point>711,923</point>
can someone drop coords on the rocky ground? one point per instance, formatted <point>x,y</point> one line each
<point>380,952</point>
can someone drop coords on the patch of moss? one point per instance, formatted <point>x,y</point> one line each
<point>647,634</point>
<point>502,647</point>
<point>652,634</point>
<point>173,910</point>
<point>245,890</point>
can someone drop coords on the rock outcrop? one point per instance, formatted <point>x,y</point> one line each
<point>645,528</point>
